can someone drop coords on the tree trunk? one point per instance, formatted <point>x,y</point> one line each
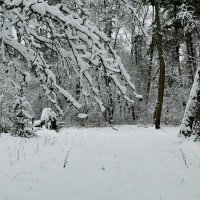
<point>191,58</point>
<point>176,56</point>
<point>176,26</point>
<point>161,87</point>
<point>152,46</point>
<point>110,107</point>
<point>191,120</point>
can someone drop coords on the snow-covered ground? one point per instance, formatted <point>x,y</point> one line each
<point>134,163</point>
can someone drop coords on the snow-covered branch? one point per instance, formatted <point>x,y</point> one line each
<point>35,31</point>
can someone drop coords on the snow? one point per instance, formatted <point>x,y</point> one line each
<point>39,9</point>
<point>191,106</point>
<point>82,115</point>
<point>37,123</point>
<point>101,164</point>
<point>47,114</point>
<point>90,54</point>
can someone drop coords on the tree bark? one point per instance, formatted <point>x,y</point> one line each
<point>152,46</point>
<point>110,107</point>
<point>191,120</point>
<point>161,86</point>
<point>191,58</point>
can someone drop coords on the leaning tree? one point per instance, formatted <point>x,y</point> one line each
<point>32,32</point>
<point>189,16</point>
<point>191,121</point>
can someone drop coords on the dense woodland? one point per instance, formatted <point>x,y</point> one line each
<point>97,61</point>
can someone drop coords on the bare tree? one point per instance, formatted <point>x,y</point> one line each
<point>161,86</point>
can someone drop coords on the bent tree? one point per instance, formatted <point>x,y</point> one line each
<point>191,121</point>
<point>33,32</point>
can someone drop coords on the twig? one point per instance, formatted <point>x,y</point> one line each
<point>66,158</point>
<point>109,123</point>
<point>22,173</point>
<point>184,158</point>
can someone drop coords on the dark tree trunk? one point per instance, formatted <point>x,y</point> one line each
<point>161,86</point>
<point>78,90</point>
<point>191,58</point>
<point>177,27</point>
<point>152,46</point>
<point>110,108</point>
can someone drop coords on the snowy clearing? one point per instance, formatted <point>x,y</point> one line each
<point>134,163</point>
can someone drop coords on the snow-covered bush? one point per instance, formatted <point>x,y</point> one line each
<point>48,118</point>
<point>23,119</point>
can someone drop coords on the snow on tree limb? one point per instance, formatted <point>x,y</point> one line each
<point>187,126</point>
<point>35,30</point>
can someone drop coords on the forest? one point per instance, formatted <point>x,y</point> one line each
<point>129,68</point>
<point>120,61</point>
